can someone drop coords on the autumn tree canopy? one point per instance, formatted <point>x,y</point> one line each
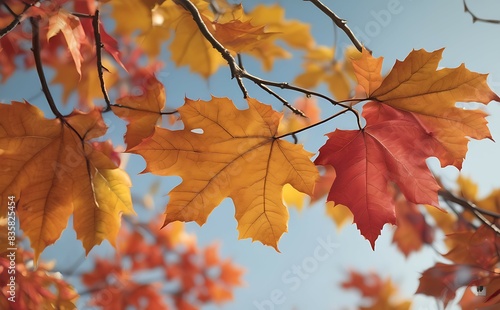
<point>62,162</point>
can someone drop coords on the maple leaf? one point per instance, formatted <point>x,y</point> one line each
<point>54,172</point>
<point>236,156</point>
<point>415,85</point>
<point>240,36</point>
<point>142,112</point>
<point>321,66</point>
<point>367,70</point>
<point>72,30</point>
<point>414,118</point>
<point>292,32</point>
<point>391,148</point>
<point>189,47</point>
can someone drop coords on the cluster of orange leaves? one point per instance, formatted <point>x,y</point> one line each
<point>376,174</point>
<point>185,276</point>
<point>35,287</point>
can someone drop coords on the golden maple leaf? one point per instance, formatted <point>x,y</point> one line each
<point>321,66</point>
<point>54,172</point>
<point>237,155</point>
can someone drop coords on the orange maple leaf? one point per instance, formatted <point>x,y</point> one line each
<point>141,112</point>
<point>54,172</point>
<point>237,155</point>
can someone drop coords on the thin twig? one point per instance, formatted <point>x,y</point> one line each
<point>82,15</point>
<point>115,105</point>
<point>293,133</point>
<point>475,18</point>
<point>239,73</point>
<point>98,52</point>
<point>341,23</point>
<point>16,21</point>
<point>447,196</point>
<point>14,14</point>
<point>188,5</point>
<point>39,67</point>
<point>305,91</point>
<point>35,41</point>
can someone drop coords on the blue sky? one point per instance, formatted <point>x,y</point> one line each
<point>390,29</point>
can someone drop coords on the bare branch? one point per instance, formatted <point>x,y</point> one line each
<point>238,72</point>
<point>16,21</point>
<point>293,133</point>
<point>98,52</point>
<point>467,205</point>
<point>115,105</point>
<point>475,18</point>
<point>39,66</point>
<point>339,22</point>
<point>35,41</point>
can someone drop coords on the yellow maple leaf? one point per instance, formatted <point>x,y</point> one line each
<point>141,112</point>
<point>53,174</point>
<point>320,66</point>
<point>150,22</point>
<point>294,33</point>
<point>190,48</point>
<point>231,153</point>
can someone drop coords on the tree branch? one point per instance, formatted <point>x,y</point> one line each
<point>341,23</point>
<point>467,205</point>
<point>293,133</point>
<point>35,41</point>
<point>115,105</point>
<point>475,18</point>
<point>239,73</point>
<point>16,21</point>
<point>39,67</point>
<point>98,52</point>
